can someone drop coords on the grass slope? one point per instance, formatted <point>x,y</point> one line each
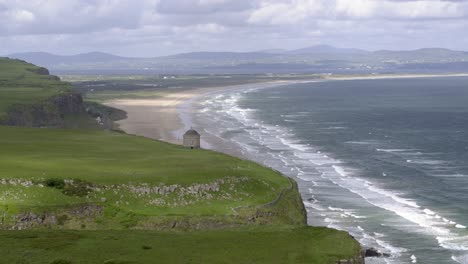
<point>124,170</point>
<point>22,83</point>
<point>297,245</point>
<point>79,191</point>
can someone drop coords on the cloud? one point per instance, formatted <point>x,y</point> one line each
<point>300,11</point>
<point>423,9</point>
<point>21,16</point>
<point>202,6</point>
<point>71,16</point>
<point>286,12</point>
<point>155,27</point>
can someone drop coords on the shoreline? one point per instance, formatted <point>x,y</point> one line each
<point>184,109</point>
<point>166,118</point>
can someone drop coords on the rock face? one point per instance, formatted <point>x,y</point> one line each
<point>28,220</point>
<point>372,252</point>
<point>48,113</point>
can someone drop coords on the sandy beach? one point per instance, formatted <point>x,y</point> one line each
<point>153,118</point>
<point>160,118</point>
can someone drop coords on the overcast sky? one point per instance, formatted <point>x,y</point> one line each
<point>159,27</point>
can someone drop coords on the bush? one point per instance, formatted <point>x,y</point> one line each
<point>62,219</point>
<point>77,188</point>
<point>55,183</point>
<point>145,247</point>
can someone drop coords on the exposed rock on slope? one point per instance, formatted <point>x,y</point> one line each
<point>48,113</point>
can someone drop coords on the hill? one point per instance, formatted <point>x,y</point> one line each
<point>141,181</point>
<point>73,195</point>
<point>47,59</point>
<point>21,82</point>
<point>326,49</point>
<point>30,96</point>
<point>313,59</point>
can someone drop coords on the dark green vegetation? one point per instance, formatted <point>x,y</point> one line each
<point>24,83</point>
<point>91,196</point>
<point>262,245</point>
<point>30,97</point>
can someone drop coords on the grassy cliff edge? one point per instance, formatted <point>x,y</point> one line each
<point>91,196</point>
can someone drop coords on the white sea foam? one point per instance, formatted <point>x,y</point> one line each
<point>364,142</point>
<point>340,171</point>
<point>429,212</point>
<point>405,208</point>
<point>282,140</point>
<point>380,244</point>
<point>395,150</point>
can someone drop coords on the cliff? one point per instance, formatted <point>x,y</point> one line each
<point>50,112</point>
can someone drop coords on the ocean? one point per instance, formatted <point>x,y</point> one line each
<point>385,160</point>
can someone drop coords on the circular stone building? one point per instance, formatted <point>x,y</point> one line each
<point>192,139</point>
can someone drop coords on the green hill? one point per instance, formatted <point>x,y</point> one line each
<point>24,83</point>
<point>93,196</point>
<point>122,181</point>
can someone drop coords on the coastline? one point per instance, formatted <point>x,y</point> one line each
<point>186,106</point>
<point>167,117</point>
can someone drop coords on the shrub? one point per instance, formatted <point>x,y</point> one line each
<point>55,183</point>
<point>77,188</point>
<point>62,219</point>
<point>145,247</point>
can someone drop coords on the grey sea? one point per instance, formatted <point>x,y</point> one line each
<point>386,160</point>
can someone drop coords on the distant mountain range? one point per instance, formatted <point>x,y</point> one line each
<point>48,59</point>
<point>315,59</point>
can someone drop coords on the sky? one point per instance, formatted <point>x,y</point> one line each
<point>147,28</point>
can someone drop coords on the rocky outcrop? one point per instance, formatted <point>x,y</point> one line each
<point>372,252</point>
<point>360,259</point>
<point>28,220</point>
<point>31,220</point>
<point>40,71</point>
<point>365,253</point>
<point>47,113</point>
<point>104,115</point>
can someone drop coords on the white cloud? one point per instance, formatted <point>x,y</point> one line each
<point>210,28</point>
<point>151,27</point>
<point>290,12</point>
<point>22,16</point>
<point>357,8</point>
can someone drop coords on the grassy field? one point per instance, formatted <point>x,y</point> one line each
<point>92,196</point>
<point>20,83</point>
<point>125,171</point>
<point>260,245</point>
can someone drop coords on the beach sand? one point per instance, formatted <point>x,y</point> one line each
<point>160,118</point>
<point>154,118</point>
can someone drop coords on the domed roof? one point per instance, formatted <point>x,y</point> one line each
<point>191,132</point>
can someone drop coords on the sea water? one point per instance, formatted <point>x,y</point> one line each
<point>386,160</point>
